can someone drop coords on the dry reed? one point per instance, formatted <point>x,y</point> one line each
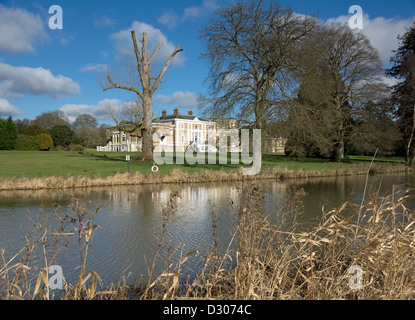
<point>179,176</point>
<point>269,256</point>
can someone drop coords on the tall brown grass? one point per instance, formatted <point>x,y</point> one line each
<point>272,259</point>
<point>276,261</point>
<point>23,277</point>
<point>179,176</point>
<point>270,256</point>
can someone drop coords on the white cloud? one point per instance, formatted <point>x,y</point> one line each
<point>196,12</point>
<point>124,46</point>
<point>99,111</point>
<point>19,30</point>
<point>381,32</point>
<point>389,81</point>
<point>95,67</point>
<point>18,81</point>
<point>179,98</point>
<point>168,19</point>
<point>6,109</point>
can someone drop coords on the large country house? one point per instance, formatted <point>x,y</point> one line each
<point>177,132</point>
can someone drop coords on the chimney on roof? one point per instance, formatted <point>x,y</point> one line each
<point>176,111</point>
<point>190,112</point>
<point>164,113</point>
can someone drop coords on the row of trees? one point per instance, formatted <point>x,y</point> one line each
<point>290,75</point>
<point>51,130</point>
<point>319,85</point>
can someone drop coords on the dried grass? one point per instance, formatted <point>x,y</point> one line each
<point>272,259</point>
<point>269,256</point>
<point>179,176</point>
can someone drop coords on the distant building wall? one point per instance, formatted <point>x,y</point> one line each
<point>176,132</point>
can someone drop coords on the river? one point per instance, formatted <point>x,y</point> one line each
<point>131,217</point>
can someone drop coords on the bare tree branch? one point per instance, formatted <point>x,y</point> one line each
<point>116,86</point>
<point>156,84</point>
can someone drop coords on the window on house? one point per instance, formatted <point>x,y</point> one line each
<point>182,138</point>
<point>196,127</point>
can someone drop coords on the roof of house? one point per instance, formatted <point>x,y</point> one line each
<point>171,117</point>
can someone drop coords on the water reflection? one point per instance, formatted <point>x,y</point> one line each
<point>131,217</point>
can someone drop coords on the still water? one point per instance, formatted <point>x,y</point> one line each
<point>130,218</point>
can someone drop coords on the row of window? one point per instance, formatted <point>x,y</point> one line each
<point>117,138</point>
<point>196,127</point>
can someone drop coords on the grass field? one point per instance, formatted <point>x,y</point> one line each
<point>34,164</point>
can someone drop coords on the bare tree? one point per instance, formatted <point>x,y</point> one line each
<point>250,46</point>
<point>48,120</point>
<point>341,72</point>
<point>85,127</point>
<point>403,93</point>
<point>147,86</point>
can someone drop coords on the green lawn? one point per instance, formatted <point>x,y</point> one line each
<point>92,163</point>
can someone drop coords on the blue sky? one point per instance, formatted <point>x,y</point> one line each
<point>45,70</point>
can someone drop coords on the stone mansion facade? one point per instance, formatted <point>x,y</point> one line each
<point>176,133</point>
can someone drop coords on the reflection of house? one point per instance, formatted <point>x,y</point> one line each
<point>177,132</point>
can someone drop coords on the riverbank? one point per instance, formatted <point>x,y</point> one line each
<point>59,170</point>
<point>179,176</point>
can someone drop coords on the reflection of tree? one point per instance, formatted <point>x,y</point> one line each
<point>48,196</point>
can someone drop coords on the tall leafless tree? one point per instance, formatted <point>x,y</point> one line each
<point>403,93</point>
<point>341,72</point>
<point>250,46</point>
<point>148,85</point>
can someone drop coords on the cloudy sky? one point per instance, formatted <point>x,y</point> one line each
<point>44,69</point>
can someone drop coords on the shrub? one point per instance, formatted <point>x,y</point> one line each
<point>75,147</point>
<point>25,142</point>
<point>44,141</point>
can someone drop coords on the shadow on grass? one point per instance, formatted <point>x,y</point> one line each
<point>99,157</point>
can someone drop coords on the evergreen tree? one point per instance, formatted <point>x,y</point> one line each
<point>8,134</point>
<point>62,135</point>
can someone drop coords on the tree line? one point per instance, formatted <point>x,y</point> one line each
<point>51,131</point>
<point>319,85</point>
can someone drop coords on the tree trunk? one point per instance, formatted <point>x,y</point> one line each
<point>408,158</point>
<point>147,139</point>
<point>340,152</point>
